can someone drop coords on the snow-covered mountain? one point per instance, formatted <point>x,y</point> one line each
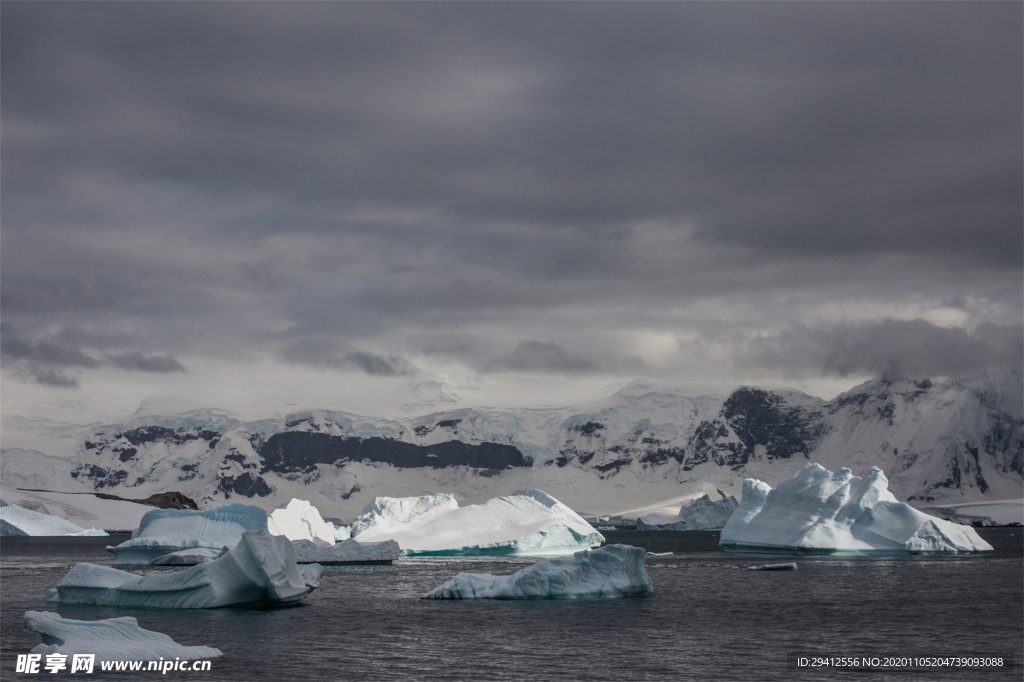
<point>642,449</point>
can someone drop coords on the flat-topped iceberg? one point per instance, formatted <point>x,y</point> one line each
<point>300,520</point>
<point>18,521</point>
<point>607,572</point>
<point>112,639</point>
<point>531,524</point>
<point>346,552</point>
<point>700,514</point>
<point>816,510</point>
<point>260,570</point>
<point>163,531</point>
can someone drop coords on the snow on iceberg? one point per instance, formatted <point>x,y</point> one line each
<point>816,510</point>
<point>346,552</point>
<point>612,571</point>
<point>113,639</point>
<point>15,521</point>
<point>531,524</point>
<point>163,531</point>
<point>300,520</point>
<point>700,514</point>
<point>260,570</point>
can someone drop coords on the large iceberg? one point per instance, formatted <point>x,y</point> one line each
<point>700,514</point>
<point>18,521</point>
<point>113,639</point>
<point>347,552</point>
<point>816,510</point>
<point>612,571</point>
<point>163,531</point>
<point>260,570</point>
<point>299,520</point>
<point>531,524</point>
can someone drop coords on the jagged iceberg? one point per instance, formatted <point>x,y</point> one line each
<point>612,571</point>
<point>260,570</point>
<point>113,639</point>
<point>700,514</point>
<point>346,552</point>
<point>816,510</point>
<point>531,524</point>
<point>18,521</point>
<point>300,520</point>
<point>189,557</point>
<point>163,531</point>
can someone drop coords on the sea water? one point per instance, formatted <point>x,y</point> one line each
<point>708,619</point>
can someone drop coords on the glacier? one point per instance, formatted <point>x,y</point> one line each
<point>16,520</point>
<point>530,524</point>
<point>163,531</point>
<point>112,639</point>
<point>606,572</point>
<point>349,551</point>
<point>260,570</point>
<point>700,514</point>
<point>816,510</point>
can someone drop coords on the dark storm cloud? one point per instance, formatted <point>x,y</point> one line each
<point>307,179</point>
<point>891,348</point>
<point>55,359</point>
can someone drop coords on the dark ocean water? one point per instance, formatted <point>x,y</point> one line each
<point>708,619</point>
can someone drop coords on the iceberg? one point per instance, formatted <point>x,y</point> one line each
<point>260,570</point>
<point>299,520</point>
<point>346,552</point>
<point>773,567</point>
<point>530,524</point>
<point>816,510</point>
<point>607,572</point>
<point>163,531</point>
<point>113,639</point>
<point>18,521</point>
<point>700,514</point>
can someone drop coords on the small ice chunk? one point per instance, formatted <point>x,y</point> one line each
<point>112,639</point>
<point>773,567</point>
<point>611,571</point>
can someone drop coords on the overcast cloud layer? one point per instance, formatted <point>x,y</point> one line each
<point>270,196</point>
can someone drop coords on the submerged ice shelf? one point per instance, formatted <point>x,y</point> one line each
<point>816,510</point>
<point>607,572</point>
<point>260,570</point>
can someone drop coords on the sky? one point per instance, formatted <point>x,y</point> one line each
<point>316,203</point>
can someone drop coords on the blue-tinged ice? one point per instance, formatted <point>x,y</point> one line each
<point>163,531</point>
<point>606,572</point>
<point>112,639</point>
<point>189,557</point>
<point>18,521</point>
<point>816,510</point>
<point>530,524</point>
<point>260,570</point>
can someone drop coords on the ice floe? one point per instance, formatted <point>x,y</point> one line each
<point>18,521</point>
<point>112,639</point>
<point>260,570</point>
<point>606,572</point>
<point>819,511</point>
<point>163,531</point>
<point>531,524</point>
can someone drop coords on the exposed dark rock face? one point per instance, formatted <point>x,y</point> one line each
<point>762,418</point>
<point>169,500</point>
<point>295,451</point>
